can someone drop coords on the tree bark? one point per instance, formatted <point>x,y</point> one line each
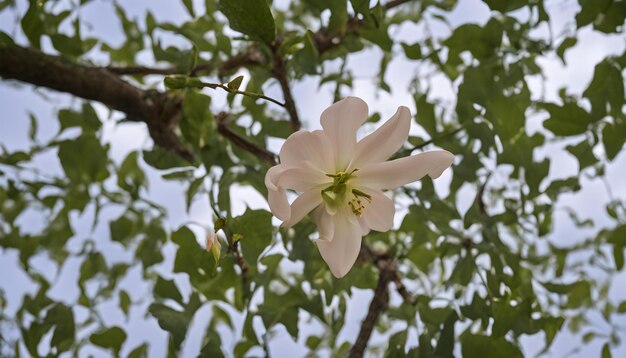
<point>159,112</point>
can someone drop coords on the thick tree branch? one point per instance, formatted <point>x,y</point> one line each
<point>154,108</point>
<point>377,306</point>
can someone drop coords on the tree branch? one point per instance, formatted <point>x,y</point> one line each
<point>377,306</point>
<point>279,70</point>
<point>159,112</point>
<point>252,56</point>
<point>261,153</point>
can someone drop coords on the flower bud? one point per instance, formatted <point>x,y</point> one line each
<point>213,245</point>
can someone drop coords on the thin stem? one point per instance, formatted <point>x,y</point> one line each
<point>245,93</point>
<point>279,70</point>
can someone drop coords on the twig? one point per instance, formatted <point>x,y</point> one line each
<point>233,248</point>
<point>250,57</point>
<point>394,3</point>
<point>368,255</point>
<point>279,71</point>
<point>245,93</point>
<point>261,153</point>
<point>443,135</point>
<point>406,295</point>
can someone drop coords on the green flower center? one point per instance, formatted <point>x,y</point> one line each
<point>340,192</point>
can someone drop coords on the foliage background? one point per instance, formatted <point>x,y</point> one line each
<point>523,238</point>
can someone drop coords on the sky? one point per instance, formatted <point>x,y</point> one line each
<point>17,100</point>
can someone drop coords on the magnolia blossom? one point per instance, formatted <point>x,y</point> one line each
<point>341,181</point>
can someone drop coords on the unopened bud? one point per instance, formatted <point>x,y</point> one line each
<point>175,82</point>
<point>213,246</point>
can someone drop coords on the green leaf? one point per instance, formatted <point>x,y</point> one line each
<point>32,131</point>
<point>160,158</point>
<point>445,344</point>
<point>606,91</point>
<point>174,321</point>
<point>413,52</point>
<point>122,230</point>
<point>125,301</point>
<point>477,346</point>
<point>463,271</point>
<point>189,6</point>
<point>235,83</point>
<point>566,120</point>
<point>613,139</point>
<point>338,16</point>
<point>568,43</point>
<point>87,119</point>
<point>307,58</point>
<point>84,160</point>
<point>584,153</point>
<point>255,226</point>
<point>617,237</point>
<point>191,258</point>
<point>606,351</point>
<point>167,289</point>
<point>426,115</point>
<point>140,352</point>
<point>197,125</point>
<point>111,338</point>
<point>33,23</point>
<point>579,295</point>
<point>62,318</point>
<point>130,176</point>
<point>250,17</point>
<point>505,5</point>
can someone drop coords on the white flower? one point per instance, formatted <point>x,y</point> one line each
<point>341,182</point>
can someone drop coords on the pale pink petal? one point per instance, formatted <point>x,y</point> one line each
<point>324,222</point>
<point>277,196</point>
<point>340,122</point>
<point>303,178</point>
<point>341,253</point>
<point>379,213</point>
<point>303,205</point>
<point>383,142</point>
<point>364,227</point>
<point>315,147</point>
<point>395,173</point>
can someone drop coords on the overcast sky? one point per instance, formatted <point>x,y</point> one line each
<point>18,100</point>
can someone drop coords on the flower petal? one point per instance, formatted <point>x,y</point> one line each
<point>341,253</point>
<point>324,222</point>
<point>302,178</point>
<point>379,213</point>
<point>303,205</point>
<point>395,173</point>
<point>315,147</point>
<point>340,122</point>
<point>383,142</point>
<point>277,196</point>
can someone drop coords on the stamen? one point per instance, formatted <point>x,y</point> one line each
<point>334,194</point>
